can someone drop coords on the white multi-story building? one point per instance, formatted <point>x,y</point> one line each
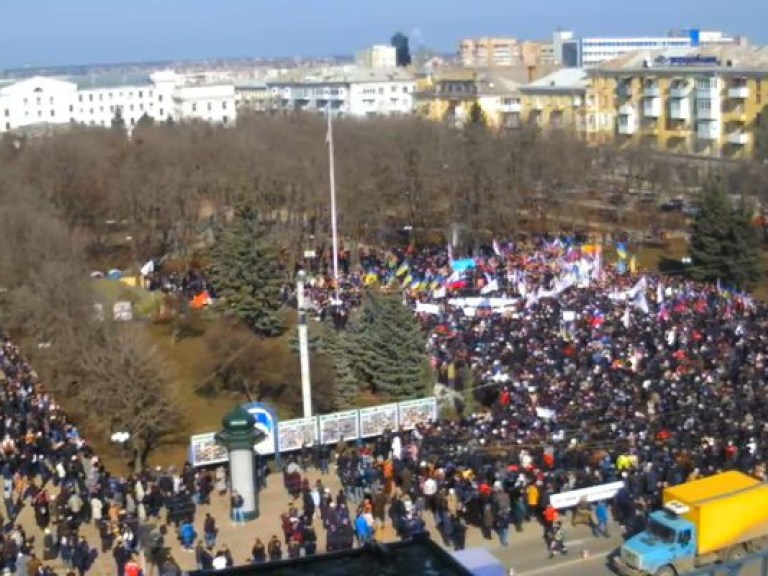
<point>358,92</point>
<point>588,52</point>
<point>97,100</point>
<point>378,57</point>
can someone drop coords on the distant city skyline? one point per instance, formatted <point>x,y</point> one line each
<point>72,32</point>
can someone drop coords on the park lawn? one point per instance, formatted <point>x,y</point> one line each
<point>110,291</point>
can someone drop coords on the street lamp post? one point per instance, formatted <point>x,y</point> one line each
<point>306,383</point>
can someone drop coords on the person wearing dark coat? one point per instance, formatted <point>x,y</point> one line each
<point>81,556</point>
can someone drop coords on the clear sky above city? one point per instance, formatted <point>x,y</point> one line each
<point>56,32</point>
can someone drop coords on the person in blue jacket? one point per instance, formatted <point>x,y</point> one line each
<point>601,514</point>
<point>187,534</point>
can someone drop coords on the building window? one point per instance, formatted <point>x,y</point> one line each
<point>141,107</point>
<point>53,112</point>
<point>79,98</point>
<point>150,94</point>
<point>405,89</point>
<point>130,94</point>
<point>141,94</point>
<point>161,112</point>
<point>39,113</point>
<point>130,107</point>
<point>7,112</point>
<point>91,111</point>
<point>7,125</point>
<point>194,107</point>
<point>223,105</point>
<point>224,119</point>
<point>90,97</point>
<point>159,97</point>
<point>133,121</point>
<point>112,108</point>
<point>210,106</point>
<point>71,108</point>
<point>110,95</point>
<point>39,100</point>
<point>50,99</point>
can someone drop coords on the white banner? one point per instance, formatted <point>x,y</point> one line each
<point>427,308</point>
<point>478,302</point>
<point>593,494</point>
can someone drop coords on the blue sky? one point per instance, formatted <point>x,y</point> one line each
<point>54,32</point>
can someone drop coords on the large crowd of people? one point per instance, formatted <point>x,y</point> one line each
<point>587,373</point>
<point>573,372</point>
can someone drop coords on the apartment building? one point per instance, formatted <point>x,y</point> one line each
<point>557,101</point>
<point>96,100</point>
<point>358,92</point>
<point>377,57</point>
<point>450,96</point>
<point>504,52</point>
<point>489,52</point>
<point>591,51</point>
<point>706,101</point>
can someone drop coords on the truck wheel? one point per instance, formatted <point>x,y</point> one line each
<point>736,553</point>
<point>666,571</point>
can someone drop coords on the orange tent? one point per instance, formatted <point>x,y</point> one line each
<point>200,300</point>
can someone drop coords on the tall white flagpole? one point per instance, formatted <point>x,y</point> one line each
<point>334,231</point>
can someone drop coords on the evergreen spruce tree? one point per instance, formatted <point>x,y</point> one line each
<point>745,267</point>
<point>724,245</point>
<point>338,346</point>
<point>390,349</point>
<point>245,271</point>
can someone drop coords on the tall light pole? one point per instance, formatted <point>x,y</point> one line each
<point>332,177</point>
<point>306,383</point>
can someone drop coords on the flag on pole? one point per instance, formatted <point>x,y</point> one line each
<point>633,264</point>
<point>496,248</point>
<point>450,252</point>
<point>329,132</point>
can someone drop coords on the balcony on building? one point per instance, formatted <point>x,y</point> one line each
<point>738,138</point>
<point>708,129</point>
<point>679,89</point>
<point>651,89</point>
<point>652,106</point>
<point>511,105</point>
<point>624,89</point>
<point>707,88</point>
<point>680,109</point>
<point>738,89</point>
<point>707,109</point>
<point>627,121</point>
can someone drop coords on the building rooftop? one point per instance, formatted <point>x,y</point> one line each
<point>346,75</point>
<point>721,57</point>
<point>94,81</point>
<point>418,556</point>
<point>563,79</point>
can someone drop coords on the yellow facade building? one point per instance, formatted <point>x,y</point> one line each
<point>556,101</point>
<point>706,101</point>
<point>449,96</point>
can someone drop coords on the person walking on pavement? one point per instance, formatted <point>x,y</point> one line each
<point>558,541</point>
<point>209,531</point>
<point>601,514</point>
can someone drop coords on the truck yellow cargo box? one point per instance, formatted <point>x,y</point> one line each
<point>725,508</point>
